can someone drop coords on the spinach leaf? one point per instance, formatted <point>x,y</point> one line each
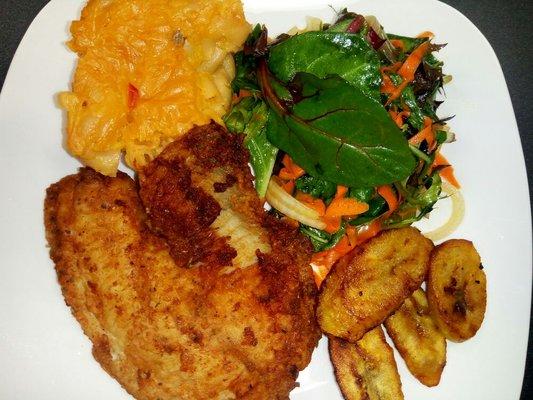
<point>362,194</point>
<point>322,240</point>
<point>246,60</point>
<point>409,44</point>
<point>419,202</point>
<point>376,207</point>
<point>244,73</point>
<point>416,117</point>
<point>326,53</point>
<point>316,187</point>
<point>249,117</point>
<point>428,194</point>
<point>441,136</point>
<point>335,132</point>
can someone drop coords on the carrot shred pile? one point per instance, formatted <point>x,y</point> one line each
<point>406,71</point>
<point>323,261</point>
<point>447,172</point>
<point>290,170</point>
<point>425,134</point>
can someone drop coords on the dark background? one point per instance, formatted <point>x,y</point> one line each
<point>508,25</point>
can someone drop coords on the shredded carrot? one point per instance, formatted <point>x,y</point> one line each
<point>341,191</point>
<point>341,206</point>
<point>386,83</point>
<point>323,261</point>
<point>368,231</point>
<point>351,233</point>
<point>290,170</point>
<point>446,173</point>
<point>408,69</point>
<point>425,134</point>
<point>312,202</point>
<point>288,186</point>
<point>333,224</point>
<point>426,34</point>
<point>398,44</point>
<point>390,197</point>
<point>398,117</point>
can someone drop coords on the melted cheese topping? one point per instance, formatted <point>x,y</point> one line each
<point>148,70</point>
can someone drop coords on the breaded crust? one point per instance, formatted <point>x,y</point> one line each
<point>165,331</point>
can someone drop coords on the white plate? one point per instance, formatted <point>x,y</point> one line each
<point>44,354</point>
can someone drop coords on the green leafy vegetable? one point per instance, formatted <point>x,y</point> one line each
<point>419,202</point>
<point>409,44</point>
<point>244,73</point>
<point>441,136</point>
<point>327,53</point>
<point>362,194</point>
<point>335,132</point>
<point>249,117</point>
<point>316,187</point>
<point>426,197</point>
<point>322,240</point>
<point>416,117</point>
<point>376,207</point>
<point>246,61</point>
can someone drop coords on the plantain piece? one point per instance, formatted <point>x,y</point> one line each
<point>366,369</point>
<point>418,339</point>
<point>372,282</point>
<point>457,289</point>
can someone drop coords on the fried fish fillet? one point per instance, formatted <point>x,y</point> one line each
<point>170,321</point>
<point>366,370</point>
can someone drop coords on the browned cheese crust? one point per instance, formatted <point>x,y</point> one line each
<point>170,321</point>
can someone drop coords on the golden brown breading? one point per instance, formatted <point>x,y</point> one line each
<point>371,282</point>
<point>366,370</point>
<point>199,195</point>
<point>417,338</point>
<point>168,332</point>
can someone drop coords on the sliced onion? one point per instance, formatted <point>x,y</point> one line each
<point>456,217</point>
<point>385,46</point>
<point>292,208</point>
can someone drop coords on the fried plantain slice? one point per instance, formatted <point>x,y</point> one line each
<point>457,289</point>
<point>372,282</point>
<point>366,370</point>
<point>417,338</point>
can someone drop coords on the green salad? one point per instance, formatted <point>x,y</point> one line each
<point>342,128</point>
